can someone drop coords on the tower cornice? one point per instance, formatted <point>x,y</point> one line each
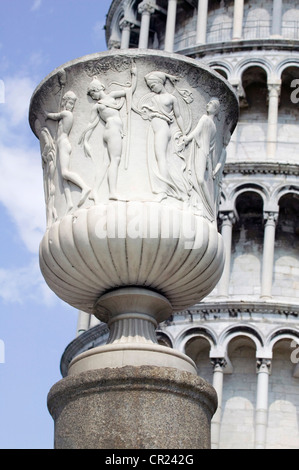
<point>201,50</point>
<point>266,167</point>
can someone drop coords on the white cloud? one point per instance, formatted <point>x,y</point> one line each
<point>36,5</point>
<point>19,285</point>
<point>21,192</point>
<point>18,91</point>
<point>21,187</point>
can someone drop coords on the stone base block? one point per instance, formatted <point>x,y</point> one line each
<point>142,407</point>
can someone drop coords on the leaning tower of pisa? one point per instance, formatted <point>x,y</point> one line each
<point>243,336</point>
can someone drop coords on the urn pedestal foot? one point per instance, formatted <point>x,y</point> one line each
<point>132,314</point>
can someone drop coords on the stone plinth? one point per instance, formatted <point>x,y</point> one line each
<point>132,408</point>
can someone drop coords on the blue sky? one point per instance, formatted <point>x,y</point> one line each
<point>36,36</point>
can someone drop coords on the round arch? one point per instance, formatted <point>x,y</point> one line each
<point>281,333</point>
<point>247,63</point>
<point>285,64</point>
<point>221,65</point>
<point>115,32</point>
<point>249,187</point>
<point>164,338</point>
<point>196,332</point>
<point>284,190</point>
<point>242,330</point>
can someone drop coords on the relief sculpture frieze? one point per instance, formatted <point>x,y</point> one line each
<point>49,157</point>
<point>202,158</point>
<point>127,131</point>
<point>65,120</point>
<point>107,111</point>
<point>161,107</point>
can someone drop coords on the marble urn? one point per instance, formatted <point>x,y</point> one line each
<point>133,147</point>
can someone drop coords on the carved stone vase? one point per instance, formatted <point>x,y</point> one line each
<point>133,147</point>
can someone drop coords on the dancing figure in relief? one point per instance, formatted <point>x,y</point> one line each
<point>162,109</point>
<point>202,159</point>
<point>66,119</point>
<point>107,109</point>
<point>48,153</point>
